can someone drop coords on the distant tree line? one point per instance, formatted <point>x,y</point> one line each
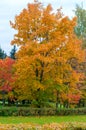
<point>3,55</point>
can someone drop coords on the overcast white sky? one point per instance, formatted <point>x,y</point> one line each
<point>10,8</point>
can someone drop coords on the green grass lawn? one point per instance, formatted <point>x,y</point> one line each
<point>42,120</point>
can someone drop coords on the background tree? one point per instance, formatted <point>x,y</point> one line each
<point>80,31</point>
<point>6,79</point>
<point>13,52</point>
<point>2,54</point>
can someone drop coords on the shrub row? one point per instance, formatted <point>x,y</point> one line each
<point>53,126</point>
<point>40,111</point>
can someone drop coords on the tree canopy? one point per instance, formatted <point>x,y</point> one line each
<point>80,28</point>
<point>47,42</point>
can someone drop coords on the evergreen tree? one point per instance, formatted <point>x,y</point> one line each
<point>2,54</point>
<point>13,52</point>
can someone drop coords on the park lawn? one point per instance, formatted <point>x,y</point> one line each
<point>42,120</point>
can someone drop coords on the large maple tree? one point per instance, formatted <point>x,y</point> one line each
<point>47,41</point>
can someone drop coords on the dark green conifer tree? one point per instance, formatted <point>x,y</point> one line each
<point>13,52</point>
<point>2,54</point>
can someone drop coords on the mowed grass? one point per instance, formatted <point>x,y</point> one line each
<point>42,120</point>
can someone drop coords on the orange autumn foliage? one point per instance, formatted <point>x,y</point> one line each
<point>47,41</point>
<point>6,76</point>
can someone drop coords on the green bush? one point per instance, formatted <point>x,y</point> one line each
<point>71,111</point>
<point>25,111</point>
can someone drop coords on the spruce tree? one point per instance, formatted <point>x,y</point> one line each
<point>13,52</point>
<point>2,54</point>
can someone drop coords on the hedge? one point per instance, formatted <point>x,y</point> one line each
<point>21,111</point>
